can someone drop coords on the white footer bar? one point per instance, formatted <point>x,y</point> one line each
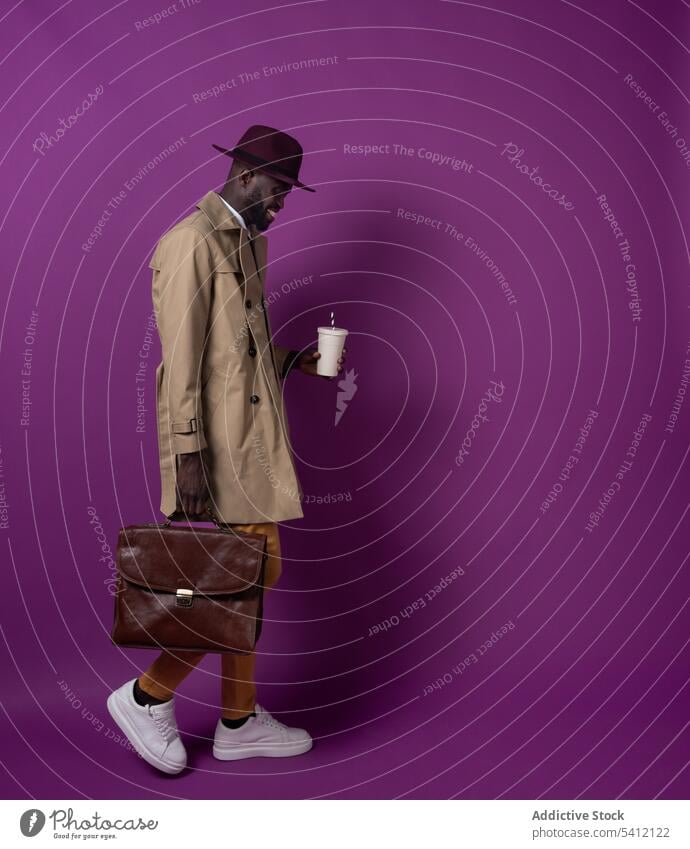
<point>355,824</point>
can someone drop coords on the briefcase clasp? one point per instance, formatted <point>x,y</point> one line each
<point>183,598</point>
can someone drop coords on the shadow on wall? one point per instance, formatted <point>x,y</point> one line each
<point>343,672</point>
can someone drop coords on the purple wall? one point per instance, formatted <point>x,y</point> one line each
<point>551,661</point>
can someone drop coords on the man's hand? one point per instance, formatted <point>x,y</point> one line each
<point>192,483</point>
<point>307,362</point>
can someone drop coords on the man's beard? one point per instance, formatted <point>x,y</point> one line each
<point>256,211</point>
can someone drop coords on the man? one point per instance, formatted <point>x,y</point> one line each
<point>222,432</point>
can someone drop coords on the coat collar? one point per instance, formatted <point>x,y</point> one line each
<point>222,219</point>
<point>217,212</point>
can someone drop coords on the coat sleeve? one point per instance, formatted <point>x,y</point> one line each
<point>285,360</point>
<point>183,276</point>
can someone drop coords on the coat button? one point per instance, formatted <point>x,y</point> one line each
<point>248,304</point>
<point>254,399</point>
<point>252,352</point>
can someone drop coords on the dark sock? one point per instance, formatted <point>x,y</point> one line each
<point>236,723</point>
<point>141,697</point>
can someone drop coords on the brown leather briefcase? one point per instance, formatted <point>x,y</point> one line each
<point>189,588</point>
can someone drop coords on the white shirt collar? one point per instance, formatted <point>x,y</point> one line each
<point>234,212</point>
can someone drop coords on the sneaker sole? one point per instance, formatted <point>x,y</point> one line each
<point>237,753</point>
<point>129,731</point>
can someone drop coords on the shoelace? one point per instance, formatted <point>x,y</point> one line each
<point>265,718</point>
<point>165,726</point>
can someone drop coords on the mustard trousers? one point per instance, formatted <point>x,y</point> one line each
<point>238,688</point>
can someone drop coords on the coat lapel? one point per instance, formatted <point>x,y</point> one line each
<point>253,280</point>
<point>260,246</point>
<point>252,252</point>
<point>252,259</point>
<point>253,263</point>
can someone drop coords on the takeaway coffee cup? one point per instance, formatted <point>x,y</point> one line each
<point>331,342</point>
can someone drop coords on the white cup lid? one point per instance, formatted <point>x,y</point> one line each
<point>333,331</point>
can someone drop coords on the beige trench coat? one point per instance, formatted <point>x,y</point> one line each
<point>219,384</point>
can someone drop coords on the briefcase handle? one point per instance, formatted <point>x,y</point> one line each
<point>209,511</point>
<point>225,527</point>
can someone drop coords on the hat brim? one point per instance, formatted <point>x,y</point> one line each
<point>268,167</point>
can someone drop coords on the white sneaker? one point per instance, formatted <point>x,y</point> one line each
<point>261,736</point>
<point>151,729</point>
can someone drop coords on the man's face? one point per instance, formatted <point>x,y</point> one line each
<point>265,197</point>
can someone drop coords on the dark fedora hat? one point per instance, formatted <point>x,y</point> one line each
<point>274,152</point>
